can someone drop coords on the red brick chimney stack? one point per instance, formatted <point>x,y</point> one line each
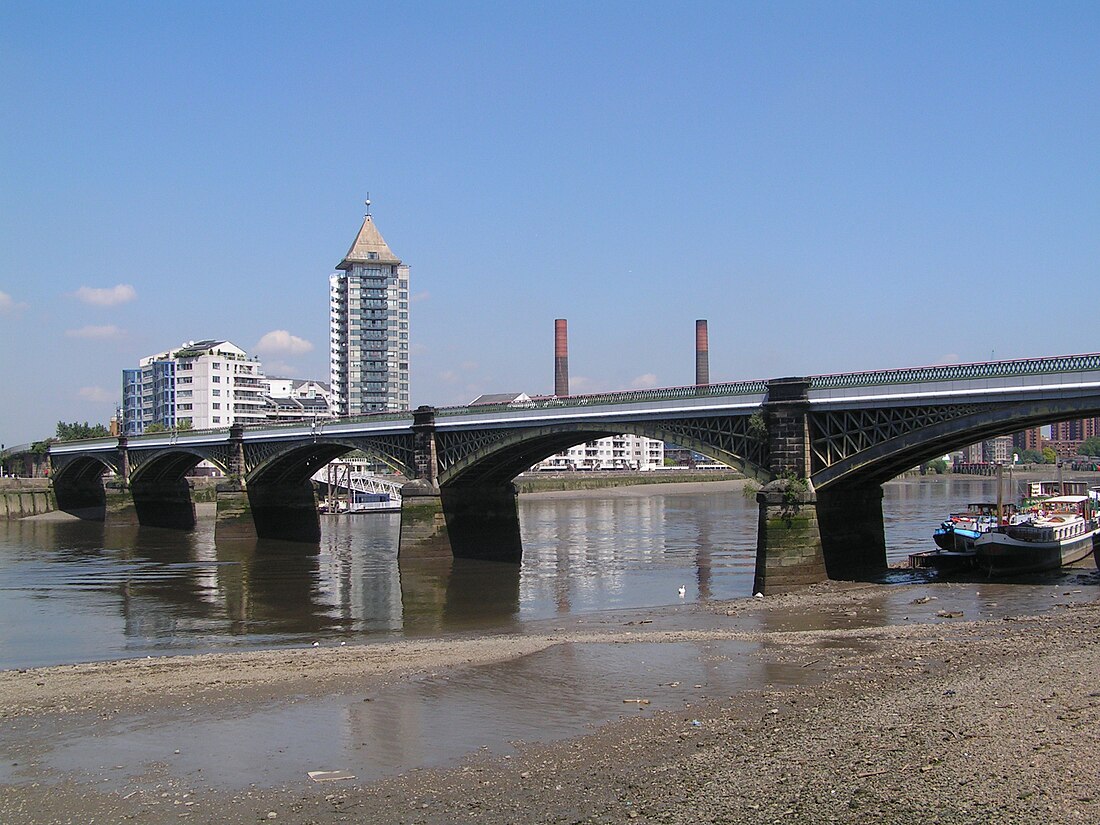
<point>561,357</point>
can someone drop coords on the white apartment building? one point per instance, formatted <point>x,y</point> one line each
<point>203,384</point>
<point>619,452</point>
<point>293,399</point>
<point>369,327</point>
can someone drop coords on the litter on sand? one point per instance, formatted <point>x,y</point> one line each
<point>330,776</point>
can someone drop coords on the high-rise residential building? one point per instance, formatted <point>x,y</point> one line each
<point>202,384</point>
<point>1077,430</point>
<point>369,327</point>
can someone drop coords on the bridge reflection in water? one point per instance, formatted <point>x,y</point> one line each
<point>78,590</point>
<point>822,445</point>
<point>89,590</point>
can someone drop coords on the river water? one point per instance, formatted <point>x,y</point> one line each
<point>75,591</point>
<point>78,591</point>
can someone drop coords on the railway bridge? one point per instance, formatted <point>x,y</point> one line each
<point>821,446</point>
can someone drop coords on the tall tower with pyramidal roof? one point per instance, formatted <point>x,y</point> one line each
<point>369,327</point>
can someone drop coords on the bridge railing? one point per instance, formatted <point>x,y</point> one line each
<point>960,372</point>
<point>625,397</point>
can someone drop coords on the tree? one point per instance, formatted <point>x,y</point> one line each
<point>937,466</point>
<point>1049,456</point>
<point>156,427</point>
<point>184,424</point>
<point>76,430</point>
<point>1090,446</point>
<point>1031,457</point>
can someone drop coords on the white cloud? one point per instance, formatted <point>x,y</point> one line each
<point>423,295</point>
<point>106,297</point>
<point>644,382</point>
<point>281,342</point>
<point>9,304</point>
<point>96,394</point>
<point>580,384</point>
<point>279,369</point>
<point>94,333</point>
<point>449,377</point>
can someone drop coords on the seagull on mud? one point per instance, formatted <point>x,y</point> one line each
<point>682,591</point>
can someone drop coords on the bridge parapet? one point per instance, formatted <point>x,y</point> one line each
<point>1020,373</point>
<point>729,390</point>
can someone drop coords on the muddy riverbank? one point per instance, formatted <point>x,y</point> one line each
<point>863,715</point>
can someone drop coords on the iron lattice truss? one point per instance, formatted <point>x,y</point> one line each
<point>725,437</point>
<point>453,447</point>
<point>394,450</point>
<point>729,439</point>
<point>837,436</point>
<point>139,458</point>
<point>60,464</point>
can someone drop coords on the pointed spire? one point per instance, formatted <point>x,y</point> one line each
<point>369,245</point>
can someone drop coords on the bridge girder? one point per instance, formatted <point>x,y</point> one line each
<point>871,446</point>
<point>278,461</point>
<point>170,464</point>
<point>82,466</point>
<point>496,456</point>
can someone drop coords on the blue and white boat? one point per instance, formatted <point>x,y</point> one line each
<point>1063,531</point>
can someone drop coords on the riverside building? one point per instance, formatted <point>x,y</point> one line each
<point>201,384</point>
<point>369,327</point>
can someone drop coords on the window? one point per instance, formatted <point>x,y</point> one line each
<point>217,366</point>
<point>216,406</point>
<point>216,379</point>
<point>215,392</point>
<point>217,419</point>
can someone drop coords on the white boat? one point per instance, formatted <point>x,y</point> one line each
<point>1063,531</point>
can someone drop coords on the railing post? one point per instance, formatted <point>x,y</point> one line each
<point>123,460</point>
<point>236,451</point>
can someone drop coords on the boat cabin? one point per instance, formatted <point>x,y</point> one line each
<point>1046,489</point>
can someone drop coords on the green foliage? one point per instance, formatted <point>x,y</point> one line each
<point>184,424</point>
<point>1049,456</point>
<point>758,426</point>
<point>1030,456</point>
<point>42,447</point>
<point>796,488</point>
<point>156,427</point>
<point>1090,446</point>
<point>937,466</point>
<point>76,431</point>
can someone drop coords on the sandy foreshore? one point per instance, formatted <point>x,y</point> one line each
<point>929,718</point>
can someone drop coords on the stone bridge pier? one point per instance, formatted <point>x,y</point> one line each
<point>806,535</point>
<point>283,508</point>
<point>468,520</point>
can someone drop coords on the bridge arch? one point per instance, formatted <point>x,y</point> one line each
<point>78,482</point>
<point>497,456</point>
<point>889,457</point>
<point>277,464</point>
<point>168,465</point>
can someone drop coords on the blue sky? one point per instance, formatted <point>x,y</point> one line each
<point>835,186</point>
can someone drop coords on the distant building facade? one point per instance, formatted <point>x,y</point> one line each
<point>369,327</point>
<point>618,452</point>
<point>201,384</point>
<point>292,399</point>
